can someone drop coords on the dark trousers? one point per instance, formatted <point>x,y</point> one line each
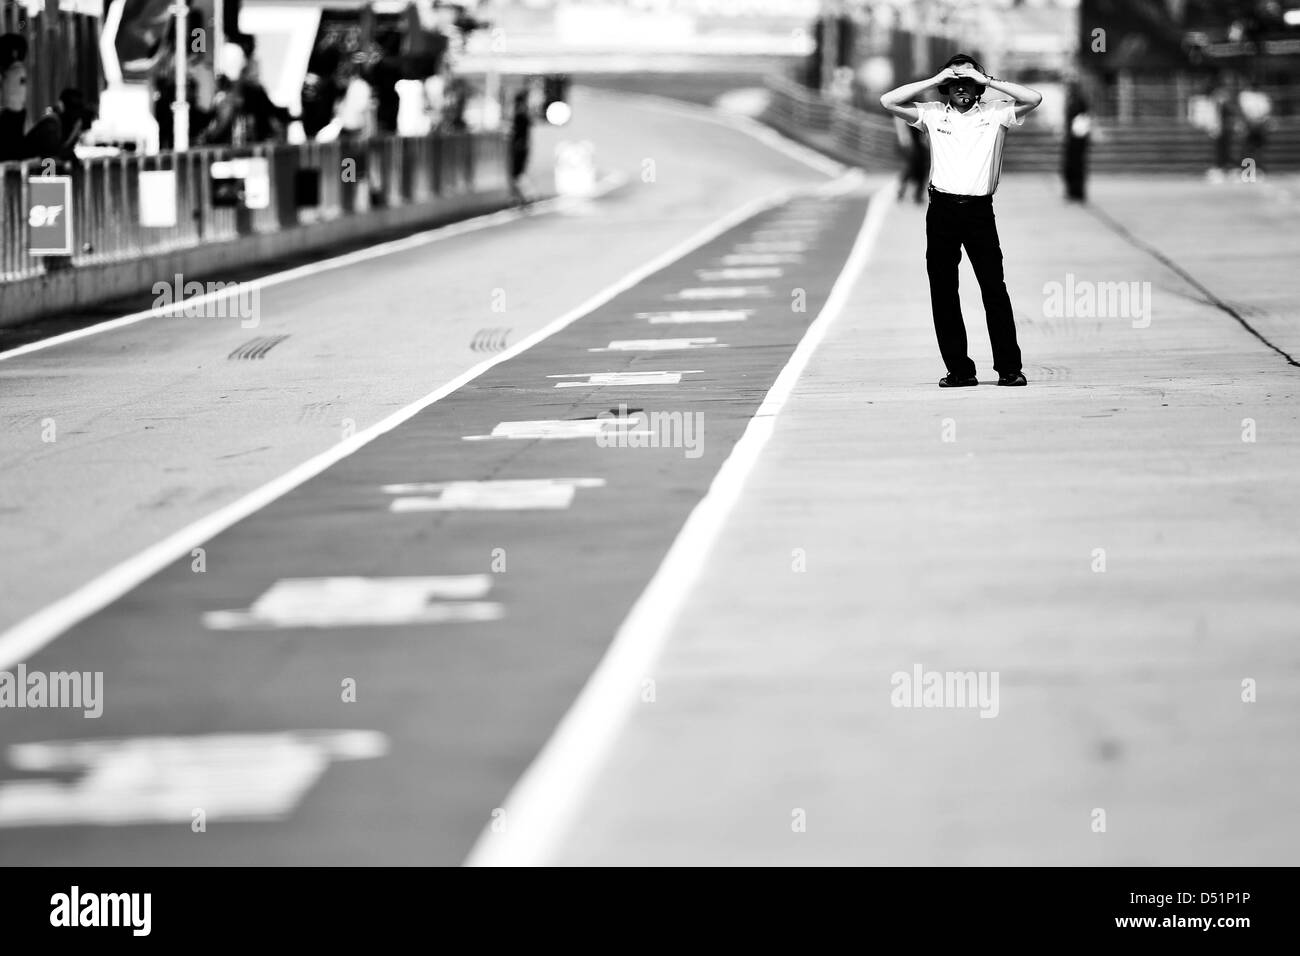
<point>1075,168</point>
<point>951,224</point>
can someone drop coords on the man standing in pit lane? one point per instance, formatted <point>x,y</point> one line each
<point>966,139</point>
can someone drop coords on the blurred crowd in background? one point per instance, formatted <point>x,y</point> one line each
<point>55,133</point>
<point>366,74</point>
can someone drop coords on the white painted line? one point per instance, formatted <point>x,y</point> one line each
<point>703,315</point>
<point>140,780</point>
<point>596,379</point>
<point>450,231</point>
<point>660,345</point>
<point>771,247</point>
<point>733,275</point>
<point>760,258</point>
<point>37,630</point>
<point>355,601</point>
<point>545,802</point>
<point>722,292</point>
<point>498,494</point>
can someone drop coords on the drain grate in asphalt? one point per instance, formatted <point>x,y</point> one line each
<point>257,348</point>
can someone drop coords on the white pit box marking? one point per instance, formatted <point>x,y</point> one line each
<point>700,315</point>
<point>498,494</point>
<point>734,275</point>
<point>357,601</point>
<point>784,233</point>
<point>723,292</point>
<point>782,246</point>
<point>795,223</point>
<point>660,345</point>
<point>596,379</point>
<point>760,258</point>
<point>137,780</point>
<point>553,429</point>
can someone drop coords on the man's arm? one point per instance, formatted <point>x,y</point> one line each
<point>1027,100</point>
<point>901,102</point>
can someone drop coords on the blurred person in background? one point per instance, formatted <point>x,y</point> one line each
<point>220,127</point>
<point>521,131</point>
<point>242,112</point>
<point>916,159</point>
<point>1256,111</point>
<point>966,138</point>
<point>383,75</point>
<point>354,110</point>
<point>1222,126</point>
<point>267,121</point>
<point>57,133</point>
<point>157,40</point>
<point>457,101</point>
<point>13,97</point>
<point>321,90</point>
<point>1078,131</point>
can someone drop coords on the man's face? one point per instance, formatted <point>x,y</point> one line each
<point>962,94</point>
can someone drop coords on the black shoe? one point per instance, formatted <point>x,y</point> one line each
<point>1015,378</point>
<point>953,381</point>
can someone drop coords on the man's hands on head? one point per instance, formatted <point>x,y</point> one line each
<point>964,71</point>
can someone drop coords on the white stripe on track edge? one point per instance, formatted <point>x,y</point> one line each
<point>451,230</point>
<point>36,631</point>
<point>540,808</point>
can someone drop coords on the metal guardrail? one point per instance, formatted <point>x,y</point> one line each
<point>386,172</point>
<point>870,138</point>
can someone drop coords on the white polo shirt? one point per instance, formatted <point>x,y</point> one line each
<point>966,148</point>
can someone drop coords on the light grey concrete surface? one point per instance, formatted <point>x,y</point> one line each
<point>865,544</point>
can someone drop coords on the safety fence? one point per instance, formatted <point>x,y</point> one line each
<point>860,136</point>
<point>222,194</point>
